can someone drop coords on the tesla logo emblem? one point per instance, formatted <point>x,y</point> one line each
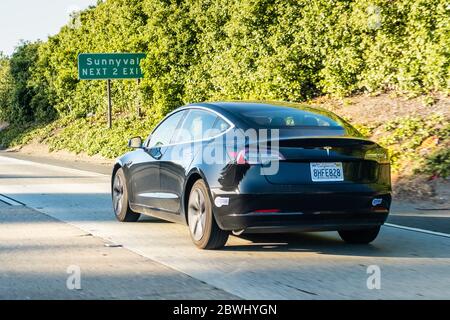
<point>328,150</point>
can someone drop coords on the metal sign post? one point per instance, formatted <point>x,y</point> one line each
<point>139,99</point>
<point>108,89</point>
<point>108,66</point>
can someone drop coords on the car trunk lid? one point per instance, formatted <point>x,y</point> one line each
<point>300,153</point>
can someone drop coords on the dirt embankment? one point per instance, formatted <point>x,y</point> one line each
<point>376,111</point>
<point>382,108</point>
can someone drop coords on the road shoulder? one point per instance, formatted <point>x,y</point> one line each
<point>39,254</point>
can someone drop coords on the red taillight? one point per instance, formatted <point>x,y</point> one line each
<point>241,157</point>
<point>268,211</point>
<point>238,157</point>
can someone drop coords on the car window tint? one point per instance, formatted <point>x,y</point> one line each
<point>221,125</point>
<point>285,119</point>
<point>196,126</point>
<point>163,134</point>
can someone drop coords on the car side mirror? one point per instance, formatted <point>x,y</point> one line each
<point>135,143</point>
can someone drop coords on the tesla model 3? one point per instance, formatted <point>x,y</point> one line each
<point>244,167</point>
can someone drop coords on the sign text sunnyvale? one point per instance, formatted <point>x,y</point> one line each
<point>102,66</point>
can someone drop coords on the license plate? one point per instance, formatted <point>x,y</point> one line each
<point>327,171</point>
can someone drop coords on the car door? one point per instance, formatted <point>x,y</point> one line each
<point>178,156</point>
<point>145,170</point>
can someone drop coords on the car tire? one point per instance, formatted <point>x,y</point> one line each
<point>120,199</point>
<point>205,233</point>
<point>362,236</point>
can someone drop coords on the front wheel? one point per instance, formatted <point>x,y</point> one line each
<point>362,236</point>
<point>205,232</point>
<point>120,199</point>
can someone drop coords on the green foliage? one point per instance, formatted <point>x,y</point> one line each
<point>16,135</point>
<point>410,132</point>
<point>92,138</point>
<point>438,163</point>
<point>6,87</point>
<point>20,67</point>
<point>365,130</point>
<point>251,49</point>
<point>23,96</point>
<point>113,26</point>
<point>404,138</point>
<point>82,135</point>
<point>21,134</point>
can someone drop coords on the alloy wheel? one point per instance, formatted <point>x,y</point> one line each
<point>197,214</point>
<point>118,194</point>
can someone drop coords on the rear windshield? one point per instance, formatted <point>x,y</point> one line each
<point>290,119</point>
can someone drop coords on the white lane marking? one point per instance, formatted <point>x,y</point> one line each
<point>16,190</point>
<point>434,233</point>
<point>10,201</point>
<point>14,161</point>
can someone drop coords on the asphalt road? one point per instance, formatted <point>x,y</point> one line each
<point>68,219</point>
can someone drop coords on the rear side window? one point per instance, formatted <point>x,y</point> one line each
<point>221,125</point>
<point>197,126</point>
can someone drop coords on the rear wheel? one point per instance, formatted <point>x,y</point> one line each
<point>120,199</point>
<point>205,232</point>
<point>362,236</point>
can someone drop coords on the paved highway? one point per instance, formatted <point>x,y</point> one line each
<point>156,259</point>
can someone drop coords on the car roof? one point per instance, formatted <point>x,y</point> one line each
<point>235,109</point>
<point>238,107</point>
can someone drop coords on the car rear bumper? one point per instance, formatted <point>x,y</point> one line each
<point>302,212</point>
<point>291,222</point>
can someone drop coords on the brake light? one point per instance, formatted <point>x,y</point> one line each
<point>241,158</point>
<point>247,156</point>
<point>268,211</point>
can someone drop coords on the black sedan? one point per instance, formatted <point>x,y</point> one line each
<point>242,167</point>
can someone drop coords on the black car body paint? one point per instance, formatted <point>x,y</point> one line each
<point>286,201</point>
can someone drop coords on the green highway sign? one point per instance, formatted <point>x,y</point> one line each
<point>106,66</point>
<point>109,66</point>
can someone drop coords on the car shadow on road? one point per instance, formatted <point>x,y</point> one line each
<point>329,243</point>
<point>148,219</point>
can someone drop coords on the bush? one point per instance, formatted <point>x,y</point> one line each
<point>250,49</point>
<point>438,164</point>
<point>289,50</point>
<point>407,138</point>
